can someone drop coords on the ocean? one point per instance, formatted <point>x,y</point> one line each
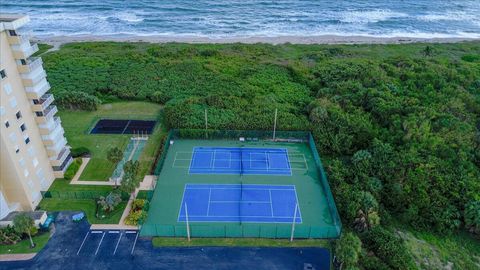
<point>251,18</point>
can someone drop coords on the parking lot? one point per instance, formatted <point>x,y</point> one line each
<point>108,243</point>
<point>75,246</point>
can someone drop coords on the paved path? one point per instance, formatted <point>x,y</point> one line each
<point>16,257</point>
<point>74,246</point>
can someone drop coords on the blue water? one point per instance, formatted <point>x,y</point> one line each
<point>246,18</point>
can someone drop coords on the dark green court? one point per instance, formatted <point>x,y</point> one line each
<point>316,208</point>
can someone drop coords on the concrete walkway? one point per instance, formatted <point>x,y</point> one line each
<point>148,183</point>
<point>16,257</point>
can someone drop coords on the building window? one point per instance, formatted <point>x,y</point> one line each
<point>13,102</point>
<point>3,74</point>
<point>17,150</point>
<point>27,140</point>
<point>7,124</point>
<point>12,33</point>
<point>39,114</point>
<point>23,62</point>
<point>7,88</point>
<point>35,163</point>
<point>31,151</point>
<point>23,127</point>
<point>18,115</point>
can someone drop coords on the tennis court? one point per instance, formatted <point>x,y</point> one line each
<point>114,126</point>
<point>235,160</point>
<point>240,203</point>
<point>249,187</point>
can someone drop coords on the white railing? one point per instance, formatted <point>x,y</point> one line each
<point>40,89</point>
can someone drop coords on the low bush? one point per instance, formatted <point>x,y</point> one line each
<point>137,213</point>
<point>388,247</point>
<point>80,152</point>
<point>73,169</point>
<point>8,236</point>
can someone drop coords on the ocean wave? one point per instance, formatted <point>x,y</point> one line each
<point>369,16</point>
<point>451,16</point>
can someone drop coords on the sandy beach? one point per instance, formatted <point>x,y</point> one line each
<point>323,39</point>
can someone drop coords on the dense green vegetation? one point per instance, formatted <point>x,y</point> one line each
<point>398,125</point>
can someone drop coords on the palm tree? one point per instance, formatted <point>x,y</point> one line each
<point>23,223</point>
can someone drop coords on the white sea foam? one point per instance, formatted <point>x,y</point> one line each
<point>369,16</point>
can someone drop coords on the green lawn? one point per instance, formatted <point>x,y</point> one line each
<point>24,245</point>
<point>77,125</point>
<point>237,242</point>
<point>64,185</point>
<point>87,206</point>
<point>431,251</point>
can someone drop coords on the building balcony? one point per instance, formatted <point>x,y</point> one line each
<point>38,90</point>
<point>32,78</point>
<point>54,136</point>
<point>24,50</point>
<point>49,126</point>
<point>29,65</point>
<point>42,103</point>
<point>58,160</point>
<point>58,171</point>
<point>45,115</point>
<point>13,21</point>
<point>54,150</point>
<point>18,38</point>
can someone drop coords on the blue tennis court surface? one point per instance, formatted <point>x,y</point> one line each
<point>230,160</point>
<point>240,203</point>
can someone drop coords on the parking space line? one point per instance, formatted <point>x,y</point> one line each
<point>101,240</point>
<point>118,242</point>
<point>83,242</point>
<point>134,243</point>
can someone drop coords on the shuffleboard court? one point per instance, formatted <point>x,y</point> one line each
<point>240,203</point>
<point>235,160</point>
<point>114,126</point>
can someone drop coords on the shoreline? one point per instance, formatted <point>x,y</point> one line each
<point>322,39</point>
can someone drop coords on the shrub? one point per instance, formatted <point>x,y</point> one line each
<point>160,97</point>
<point>109,202</point>
<point>73,169</point>
<point>80,151</point>
<point>8,236</point>
<point>76,100</point>
<point>388,247</point>
<point>138,204</point>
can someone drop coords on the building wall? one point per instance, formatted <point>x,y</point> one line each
<point>24,174</point>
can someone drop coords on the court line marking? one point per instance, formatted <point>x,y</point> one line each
<point>96,231</point>
<point>118,242</point>
<point>297,204</point>
<point>134,243</point>
<point>239,202</point>
<point>299,216</point>
<point>208,206</point>
<point>101,240</point>
<point>83,242</point>
<point>271,203</point>
<point>182,201</point>
<point>131,232</point>
<point>113,232</point>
